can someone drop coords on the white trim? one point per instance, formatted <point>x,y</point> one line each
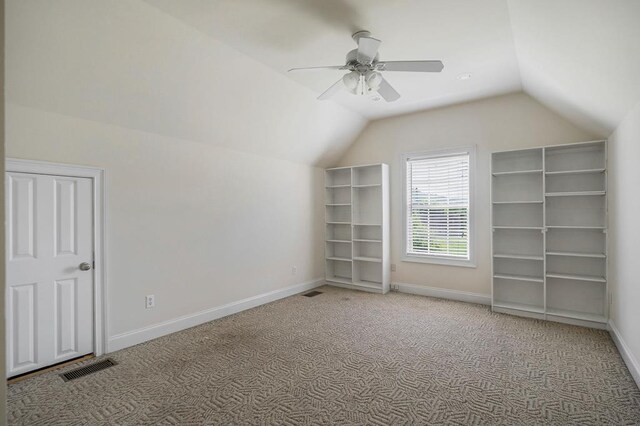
<point>443,293</point>
<point>100,322</point>
<point>134,337</point>
<point>408,257</point>
<point>632,363</point>
<point>561,145</point>
<point>358,165</point>
<point>435,260</point>
<point>575,321</point>
<point>356,287</point>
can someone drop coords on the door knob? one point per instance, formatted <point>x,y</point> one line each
<point>84,266</point>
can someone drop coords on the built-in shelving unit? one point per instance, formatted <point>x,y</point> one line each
<point>357,227</point>
<point>549,223</point>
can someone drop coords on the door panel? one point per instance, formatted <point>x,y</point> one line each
<point>21,217</point>
<point>66,323</point>
<point>50,228</point>
<point>22,325</point>
<point>65,221</point>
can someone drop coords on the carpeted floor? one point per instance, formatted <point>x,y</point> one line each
<point>347,357</point>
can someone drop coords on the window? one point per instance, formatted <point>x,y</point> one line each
<point>438,219</point>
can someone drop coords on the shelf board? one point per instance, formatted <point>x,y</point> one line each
<point>338,186</point>
<point>341,259</point>
<point>368,284</point>
<point>576,254</point>
<point>518,202</point>
<point>367,224</point>
<point>368,259</point>
<point>360,240</point>
<point>590,278</point>
<point>338,241</point>
<point>338,223</point>
<point>574,227</point>
<point>519,227</point>
<point>517,256</point>
<point>338,205</point>
<point>339,280</point>
<point>575,172</point>
<point>368,185</point>
<point>518,277</point>
<point>519,307</point>
<point>517,172</point>
<point>576,315</point>
<point>574,194</point>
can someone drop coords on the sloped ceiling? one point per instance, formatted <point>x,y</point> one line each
<point>468,36</point>
<point>215,71</point>
<point>129,64</point>
<point>581,58</point>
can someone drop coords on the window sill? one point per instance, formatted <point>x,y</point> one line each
<point>439,261</point>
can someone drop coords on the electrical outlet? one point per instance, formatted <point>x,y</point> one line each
<point>150,301</point>
<point>393,267</point>
<point>294,270</point>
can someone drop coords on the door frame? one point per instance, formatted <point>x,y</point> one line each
<point>97,175</point>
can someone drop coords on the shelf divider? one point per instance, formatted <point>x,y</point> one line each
<point>519,277</point>
<point>575,172</point>
<point>517,172</point>
<point>576,254</point>
<point>574,194</point>
<point>576,277</point>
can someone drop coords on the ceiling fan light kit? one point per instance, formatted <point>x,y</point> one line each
<point>365,76</point>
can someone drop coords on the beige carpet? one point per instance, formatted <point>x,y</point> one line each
<point>347,357</point>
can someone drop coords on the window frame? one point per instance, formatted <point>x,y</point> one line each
<point>440,260</point>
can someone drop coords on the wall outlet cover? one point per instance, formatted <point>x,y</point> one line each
<point>150,301</point>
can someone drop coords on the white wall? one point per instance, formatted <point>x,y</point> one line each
<point>212,193</point>
<point>129,64</point>
<point>198,226</point>
<point>500,123</point>
<point>624,211</point>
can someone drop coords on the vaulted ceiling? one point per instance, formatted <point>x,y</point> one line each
<point>468,36</point>
<point>579,57</point>
<point>215,71</point>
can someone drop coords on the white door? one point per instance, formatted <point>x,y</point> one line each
<point>49,294</point>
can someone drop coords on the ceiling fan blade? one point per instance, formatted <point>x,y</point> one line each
<point>335,88</point>
<point>332,67</point>
<point>367,49</point>
<point>411,66</point>
<point>388,92</point>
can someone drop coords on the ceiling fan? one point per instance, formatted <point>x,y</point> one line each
<point>365,70</point>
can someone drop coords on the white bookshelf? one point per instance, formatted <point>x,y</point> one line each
<point>357,227</point>
<point>549,223</point>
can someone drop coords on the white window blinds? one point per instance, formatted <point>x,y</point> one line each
<point>438,206</point>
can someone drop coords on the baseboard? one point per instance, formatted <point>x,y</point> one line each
<point>442,293</point>
<point>134,337</point>
<point>632,363</point>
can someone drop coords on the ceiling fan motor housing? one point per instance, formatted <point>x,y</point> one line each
<point>351,61</point>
